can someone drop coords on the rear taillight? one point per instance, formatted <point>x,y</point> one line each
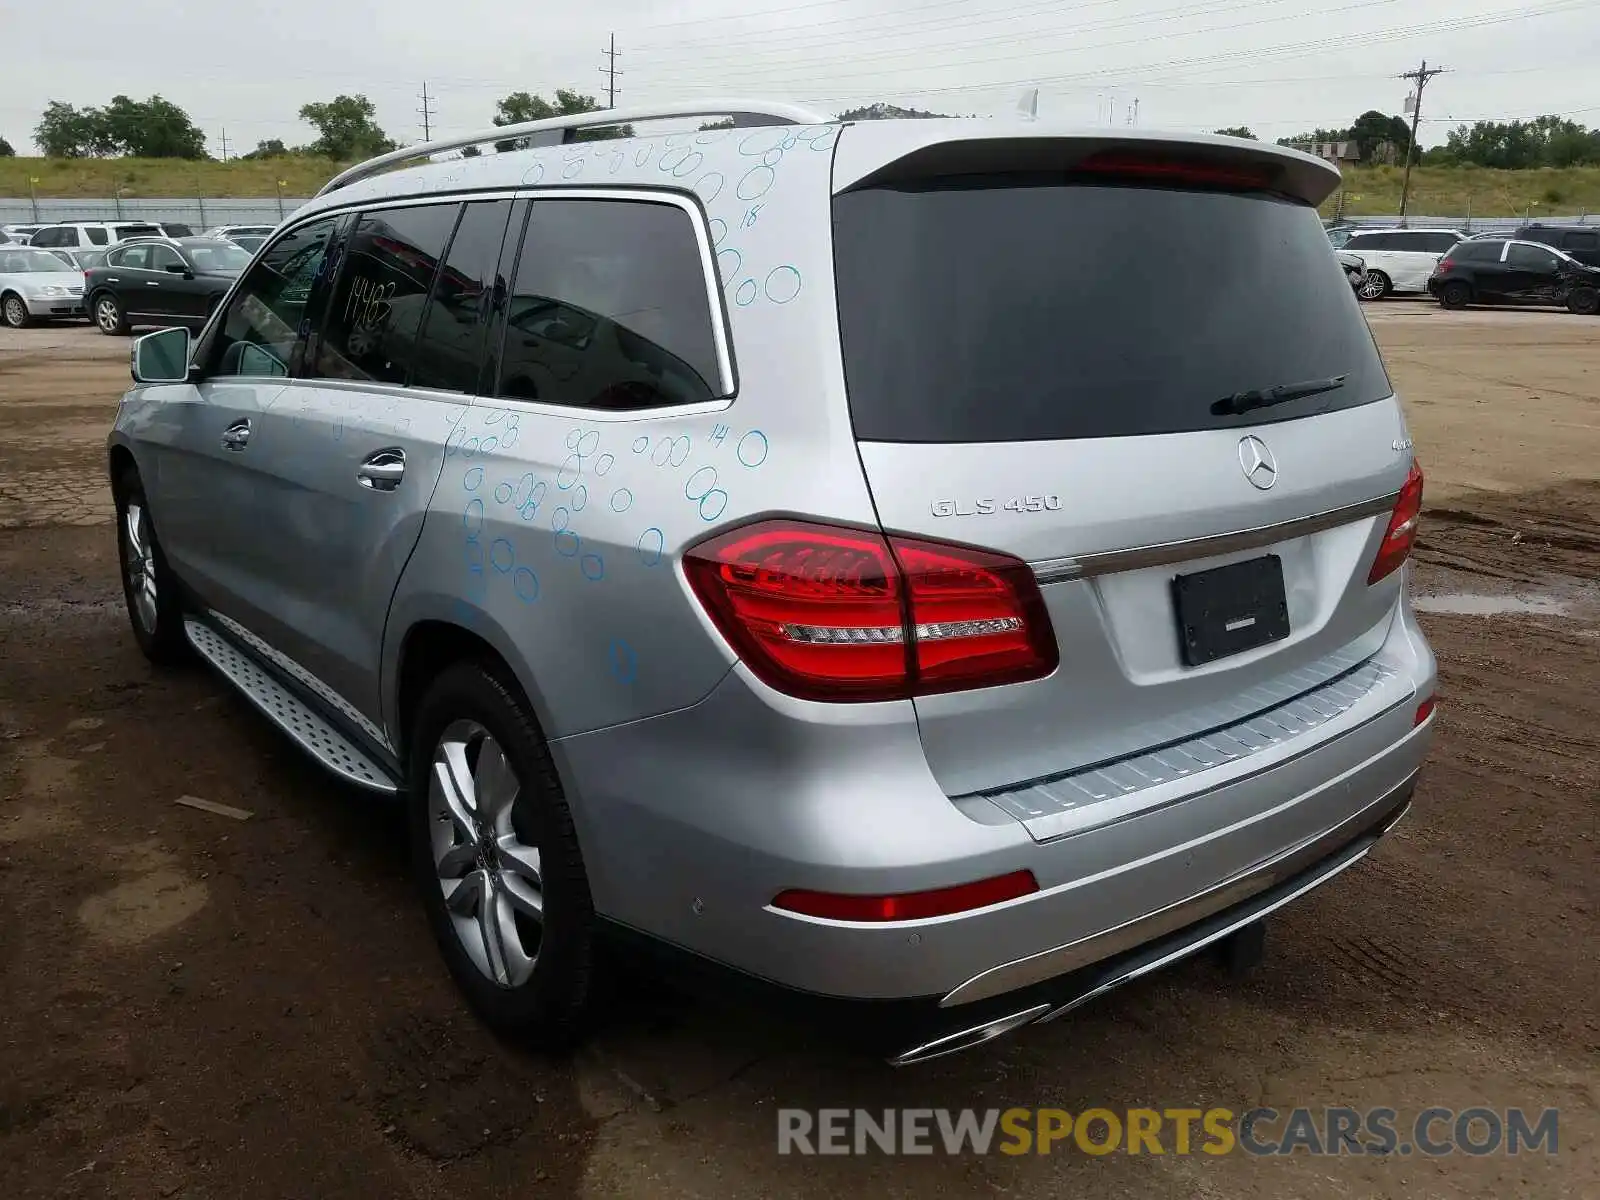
<point>832,613</point>
<point>1401,534</point>
<point>1444,267</point>
<point>1179,171</point>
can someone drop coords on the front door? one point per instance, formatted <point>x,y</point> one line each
<point>1533,274</point>
<point>182,296</point>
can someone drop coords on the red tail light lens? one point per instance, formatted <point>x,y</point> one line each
<point>1401,534</point>
<point>909,906</point>
<point>1176,170</point>
<point>1444,266</point>
<point>1424,711</point>
<point>831,613</point>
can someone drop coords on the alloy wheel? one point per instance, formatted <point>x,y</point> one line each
<point>139,562</point>
<point>1371,287</point>
<point>16,313</point>
<point>489,875</point>
<point>106,314</point>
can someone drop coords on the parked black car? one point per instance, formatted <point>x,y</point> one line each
<point>1581,242</point>
<point>1506,271</point>
<point>173,281</point>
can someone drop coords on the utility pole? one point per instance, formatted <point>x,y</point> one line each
<point>1420,77</point>
<point>224,143</point>
<point>427,114</point>
<point>610,72</point>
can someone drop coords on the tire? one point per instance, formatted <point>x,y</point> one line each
<point>106,312</point>
<point>15,311</point>
<point>528,976</point>
<point>1585,301</point>
<point>149,588</point>
<point>1375,285</point>
<point>1455,294</point>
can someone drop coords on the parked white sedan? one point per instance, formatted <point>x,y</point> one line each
<point>37,285</point>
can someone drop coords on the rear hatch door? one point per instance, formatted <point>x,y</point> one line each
<point>1056,360</point>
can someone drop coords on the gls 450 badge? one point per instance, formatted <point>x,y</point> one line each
<point>989,507</point>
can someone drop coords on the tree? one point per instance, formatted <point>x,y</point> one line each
<point>1372,130</point>
<point>885,112</point>
<point>1238,131</point>
<point>470,152</point>
<point>67,132</point>
<point>271,148</point>
<point>519,107</point>
<point>153,128</point>
<point>1548,141</point>
<point>6,150</point>
<point>348,128</point>
<point>1316,135</point>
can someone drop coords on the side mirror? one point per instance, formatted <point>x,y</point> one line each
<point>180,269</point>
<point>162,357</point>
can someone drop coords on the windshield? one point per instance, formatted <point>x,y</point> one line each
<point>221,256</point>
<point>978,309</point>
<point>16,260</point>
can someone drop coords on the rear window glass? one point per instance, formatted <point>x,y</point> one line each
<point>997,309</point>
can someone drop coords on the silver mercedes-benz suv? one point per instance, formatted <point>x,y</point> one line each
<point>942,569</point>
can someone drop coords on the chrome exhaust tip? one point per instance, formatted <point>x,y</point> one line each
<point>966,1039</point>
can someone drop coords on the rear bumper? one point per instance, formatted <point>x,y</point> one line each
<point>698,818</point>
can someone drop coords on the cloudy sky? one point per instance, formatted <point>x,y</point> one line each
<point>1278,66</point>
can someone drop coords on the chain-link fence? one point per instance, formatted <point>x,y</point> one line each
<point>196,212</point>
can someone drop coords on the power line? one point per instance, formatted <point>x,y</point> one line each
<point>1420,77</point>
<point>610,72</point>
<point>427,114</point>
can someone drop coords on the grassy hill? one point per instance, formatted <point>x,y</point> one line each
<point>1369,191</point>
<point>1471,191</point>
<point>95,178</point>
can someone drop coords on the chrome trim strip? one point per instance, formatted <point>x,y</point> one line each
<point>1376,818</point>
<point>1109,562</point>
<point>966,1039</point>
<point>1188,948</point>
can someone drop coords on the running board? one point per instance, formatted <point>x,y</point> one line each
<point>305,727</point>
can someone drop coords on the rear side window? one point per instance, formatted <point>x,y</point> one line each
<point>609,308</point>
<point>450,344</point>
<point>1477,251</point>
<point>1579,239</point>
<point>371,327</point>
<point>1435,243</point>
<point>135,258</point>
<point>96,235</point>
<point>1368,241</point>
<point>1534,257</point>
<point>1005,308</point>
<point>264,330</point>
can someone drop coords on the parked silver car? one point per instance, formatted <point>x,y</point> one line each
<point>783,544</point>
<point>37,285</point>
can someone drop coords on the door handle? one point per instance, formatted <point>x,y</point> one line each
<point>237,435</point>
<point>383,470</point>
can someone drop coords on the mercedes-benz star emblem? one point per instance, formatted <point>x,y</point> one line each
<point>1260,468</point>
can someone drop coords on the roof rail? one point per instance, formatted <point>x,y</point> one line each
<point>744,113</point>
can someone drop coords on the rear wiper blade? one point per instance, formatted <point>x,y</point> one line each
<point>1243,402</point>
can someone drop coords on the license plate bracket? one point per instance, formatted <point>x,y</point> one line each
<point>1228,610</point>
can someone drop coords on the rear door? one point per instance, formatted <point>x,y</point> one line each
<point>1067,397</point>
<point>146,299</point>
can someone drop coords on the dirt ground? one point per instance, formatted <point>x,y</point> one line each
<point>194,1006</point>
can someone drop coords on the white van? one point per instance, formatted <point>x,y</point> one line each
<point>1400,260</point>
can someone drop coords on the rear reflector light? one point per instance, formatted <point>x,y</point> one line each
<point>832,613</point>
<point>909,906</point>
<point>1424,711</point>
<point>1401,534</point>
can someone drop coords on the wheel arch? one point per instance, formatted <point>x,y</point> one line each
<point>430,644</point>
<point>118,460</point>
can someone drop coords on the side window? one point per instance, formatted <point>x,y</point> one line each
<point>162,257</point>
<point>1477,252</point>
<point>1365,241</point>
<point>135,258</point>
<point>610,308</point>
<point>372,319</point>
<point>1438,243</point>
<point>1581,239</point>
<point>1532,257</point>
<point>47,237</point>
<point>450,344</point>
<point>263,331</point>
<point>97,235</point>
